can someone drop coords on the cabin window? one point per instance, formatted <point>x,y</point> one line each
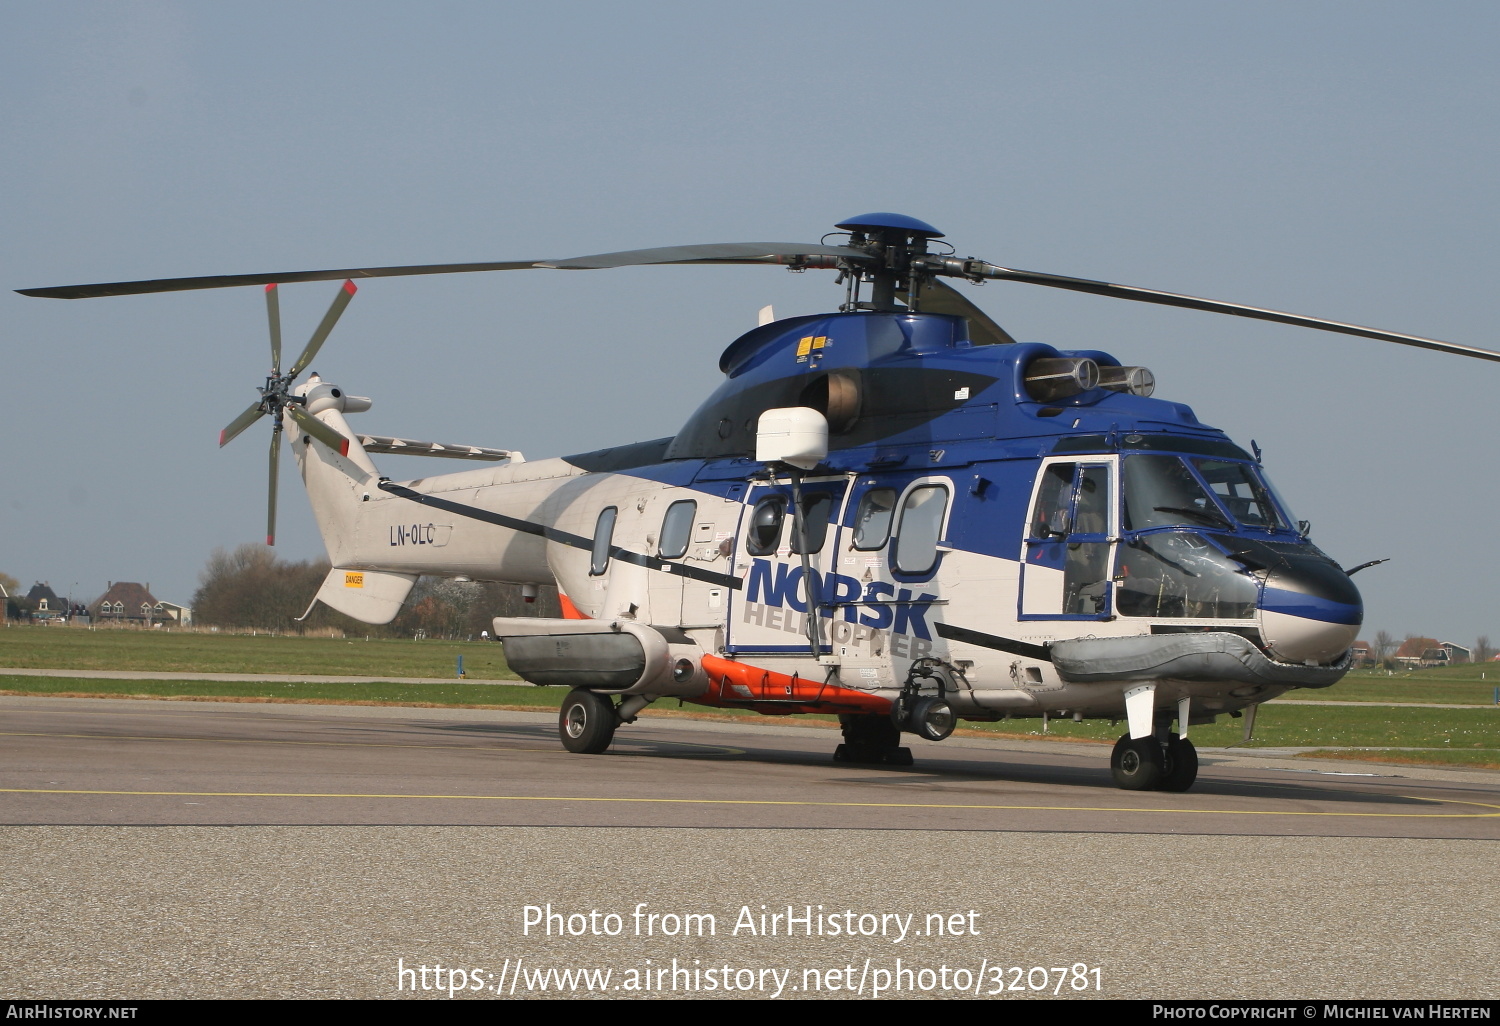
<point>921,526</point>
<point>872,521</point>
<point>765,525</point>
<point>604,534</point>
<point>817,507</point>
<point>677,529</point>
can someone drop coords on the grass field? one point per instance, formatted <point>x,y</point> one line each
<point>1469,737</point>
<point>1456,685</point>
<point>458,693</point>
<point>70,648</point>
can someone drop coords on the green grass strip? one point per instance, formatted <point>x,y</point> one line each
<point>1420,757</point>
<point>438,694</point>
<point>76,648</point>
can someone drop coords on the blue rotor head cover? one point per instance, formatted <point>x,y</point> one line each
<point>879,222</point>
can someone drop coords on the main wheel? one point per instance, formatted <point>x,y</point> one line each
<point>1182,765</point>
<point>586,723</point>
<point>869,731</point>
<point>1137,764</point>
<point>871,739</point>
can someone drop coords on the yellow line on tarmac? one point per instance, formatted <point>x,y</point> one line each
<point>775,802</point>
<point>337,744</point>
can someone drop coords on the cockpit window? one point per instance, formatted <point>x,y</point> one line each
<point>1052,501</point>
<point>1160,491</point>
<point>1240,490</point>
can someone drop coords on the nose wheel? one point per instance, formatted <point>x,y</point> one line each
<point>1150,764</point>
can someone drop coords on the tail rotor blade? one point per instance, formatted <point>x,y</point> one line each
<point>322,432</point>
<point>271,491</point>
<point>240,423</point>
<point>273,315</point>
<point>321,335</point>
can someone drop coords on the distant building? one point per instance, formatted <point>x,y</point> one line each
<point>45,603</point>
<point>1362,655</point>
<point>1415,653</point>
<point>1457,653</point>
<point>179,615</point>
<point>129,602</point>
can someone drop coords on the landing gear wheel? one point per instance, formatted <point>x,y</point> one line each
<point>871,739</point>
<point>1182,765</point>
<point>586,723</point>
<point>1137,764</point>
<point>899,756</point>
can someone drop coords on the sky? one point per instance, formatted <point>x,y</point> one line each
<point>1328,158</point>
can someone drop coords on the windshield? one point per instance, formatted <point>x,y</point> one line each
<point>1165,491</point>
<point>1241,491</point>
<point>1160,491</point>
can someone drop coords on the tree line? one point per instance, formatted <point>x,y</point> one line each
<point>250,588</point>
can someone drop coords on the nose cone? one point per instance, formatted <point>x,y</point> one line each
<point>1310,611</point>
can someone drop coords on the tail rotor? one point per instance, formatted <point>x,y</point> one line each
<point>276,395</point>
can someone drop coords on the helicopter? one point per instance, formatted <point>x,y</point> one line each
<point>895,513</point>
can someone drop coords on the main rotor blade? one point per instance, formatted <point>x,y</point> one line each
<point>273,315</point>
<point>715,253</point>
<point>940,297</point>
<point>320,336</point>
<point>271,491</point>
<point>224,281</point>
<point>240,423</point>
<point>322,432</point>
<point>712,253</point>
<point>1102,288</point>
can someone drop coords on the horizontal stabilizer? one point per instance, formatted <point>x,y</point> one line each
<point>412,447</point>
<point>372,596</point>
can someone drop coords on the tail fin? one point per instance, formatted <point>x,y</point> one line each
<point>374,596</point>
<point>337,484</point>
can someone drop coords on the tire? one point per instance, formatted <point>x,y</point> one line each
<point>1137,764</point>
<point>872,756</point>
<point>1182,765</point>
<point>870,731</point>
<point>586,722</point>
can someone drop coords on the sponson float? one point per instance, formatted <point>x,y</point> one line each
<point>895,513</point>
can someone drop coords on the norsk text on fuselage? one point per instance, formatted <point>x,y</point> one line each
<point>894,513</point>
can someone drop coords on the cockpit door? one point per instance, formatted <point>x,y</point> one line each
<point>1070,541</point>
